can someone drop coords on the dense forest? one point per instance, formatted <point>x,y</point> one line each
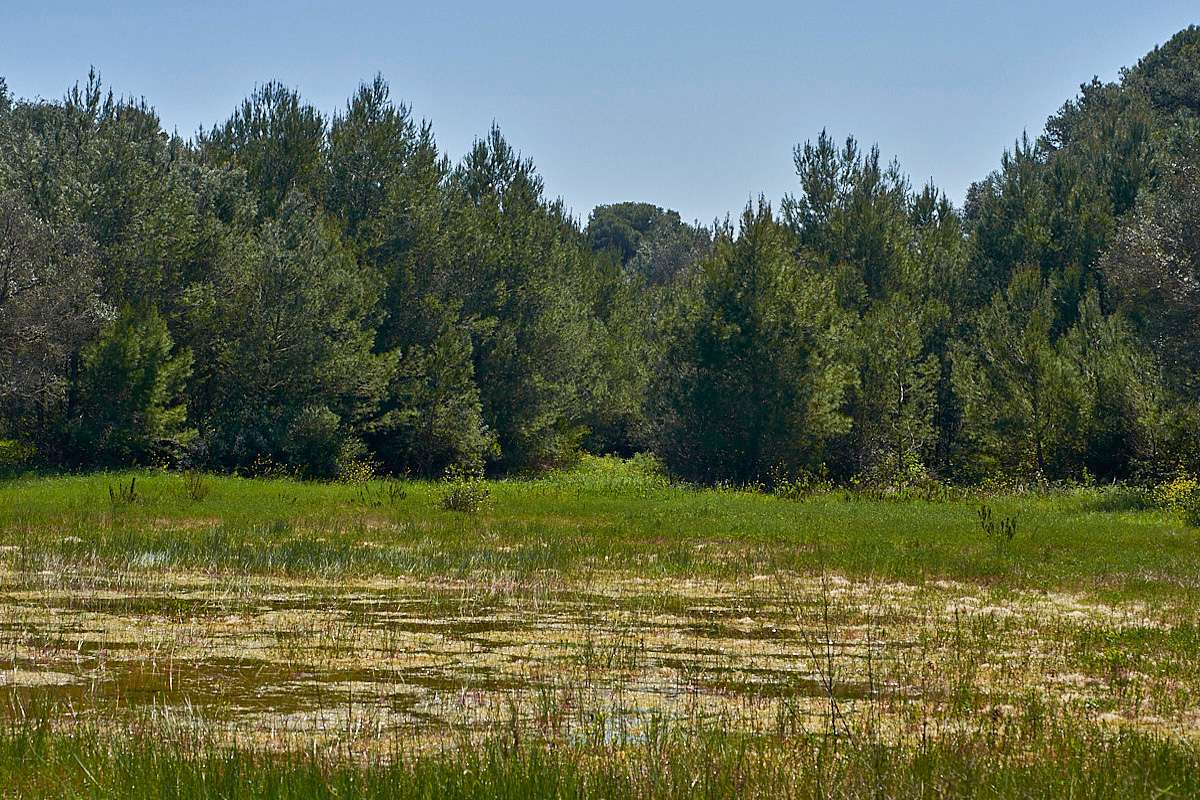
<point>323,295</point>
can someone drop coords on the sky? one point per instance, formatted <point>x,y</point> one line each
<point>690,106</point>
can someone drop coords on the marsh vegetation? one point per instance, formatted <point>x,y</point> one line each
<point>330,467</point>
<point>598,630</point>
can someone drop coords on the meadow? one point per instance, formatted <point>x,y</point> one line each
<point>598,631</point>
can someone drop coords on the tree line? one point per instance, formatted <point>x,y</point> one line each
<point>319,294</point>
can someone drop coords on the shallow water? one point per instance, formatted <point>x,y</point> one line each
<point>601,658</point>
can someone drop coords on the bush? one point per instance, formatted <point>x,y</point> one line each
<point>1181,495</point>
<point>465,492</point>
<point>901,478</point>
<point>314,441</point>
<point>354,468</point>
<point>801,484</point>
<point>264,466</point>
<point>318,447</point>
<point>130,406</point>
<point>1191,511</point>
<point>15,457</point>
<point>1176,494</point>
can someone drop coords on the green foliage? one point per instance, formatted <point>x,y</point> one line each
<point>518,278</point>
<point>896,399</point>
<point>288,350</point>
<point>15,457</point>
<point>1191,511</point>
<point>1175,493</point>
<point>432,416</point>
<point>49,308</point>
<point>1123,423</point>
<point>1153,264</point>
<point>852,215</point>
<point>653,245</point>
<point>625,351</point>
<point>129,406</point>
<point>276,138</point>
<point>372,145</point>
<point>1023,403</point>
<point>195,485</point>
<point>1055,404</point>
<point>352,301</point>
<point>1001,529</point>
<point>465,491</point>
<point>314,442</point>
<point>1169,76</point>
<point>800,486</point>
<point>1181,495</point>
<point>755,373</point>
<point>621,226</point>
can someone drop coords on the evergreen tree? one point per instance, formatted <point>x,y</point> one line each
<point>896,400</point>
<point>754,376</point>
<point>342,287</point>
<point>285,332</point>
<point>49,309</point>
<point>277,139</point>
<point>1124,429</point>
<point>129,406</point>
<point>388,189</point>
<point>851,216</point>
<point>433,417</point>
<point>517,271</point>
<point>371,145</point>
<point>1023,404</point>
<point>1152,270</point>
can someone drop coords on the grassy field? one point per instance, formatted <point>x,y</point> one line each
<point>596,632</point>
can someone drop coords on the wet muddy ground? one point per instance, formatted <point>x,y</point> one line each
<point>277,660</point>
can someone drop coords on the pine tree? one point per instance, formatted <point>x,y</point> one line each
<point>129,406</point>
<point>285,328</point>
<point>755,372</point>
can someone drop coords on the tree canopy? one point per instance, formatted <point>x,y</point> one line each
<point>323,293</point>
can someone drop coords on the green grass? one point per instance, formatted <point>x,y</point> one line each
<point>991,763</point>
<point>598,632</point>
<point>606,515</point>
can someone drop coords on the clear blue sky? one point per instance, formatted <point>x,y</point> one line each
<point>691,106</point>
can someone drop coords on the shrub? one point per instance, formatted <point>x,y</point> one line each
<point>131,385</point>
<point>1181,495</point>
<point>1177,494</point>
<point>800,484</point>
<point>1191,511</point>
<point>15,457</point>
<point>356,469</point>
<point>465,492</point>
<point>648,465</point>
<point>315,443</point>
<point>263,466</point>
<point>903,478</point>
